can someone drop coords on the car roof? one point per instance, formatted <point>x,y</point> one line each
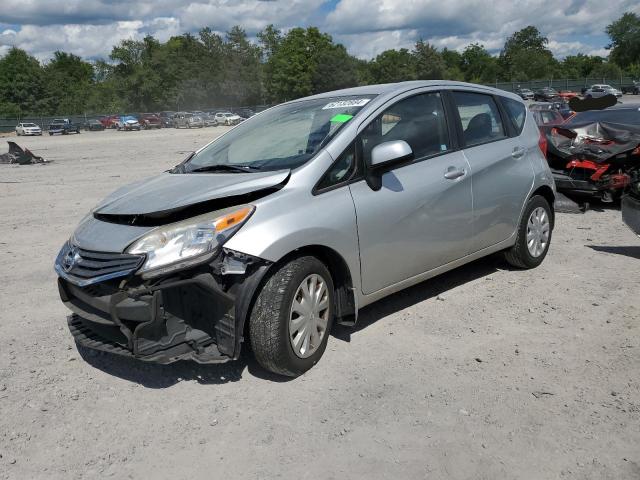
<point>400,87</point>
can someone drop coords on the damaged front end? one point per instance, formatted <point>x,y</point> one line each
<point>146,274</point>
<point>192,314</point>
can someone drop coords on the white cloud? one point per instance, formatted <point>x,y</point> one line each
<point>91,27</point>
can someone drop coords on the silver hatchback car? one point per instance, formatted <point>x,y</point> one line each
<point>303,214</point>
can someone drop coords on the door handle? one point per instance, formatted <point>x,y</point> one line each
<point>452,173</point>
<point>518,152</point>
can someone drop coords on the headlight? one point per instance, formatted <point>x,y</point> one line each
<point>190,241</point>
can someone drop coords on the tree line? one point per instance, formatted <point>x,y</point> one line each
<point>205,70</point>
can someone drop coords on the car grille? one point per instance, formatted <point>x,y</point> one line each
<point>92,264</point>
<point>84,267</point>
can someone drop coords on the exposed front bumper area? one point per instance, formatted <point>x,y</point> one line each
<point>197,314</point>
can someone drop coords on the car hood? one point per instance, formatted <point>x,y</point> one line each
<point>170,192</point>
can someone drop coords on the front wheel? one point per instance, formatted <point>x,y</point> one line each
<point>534,235</point>
<point>292,316</point>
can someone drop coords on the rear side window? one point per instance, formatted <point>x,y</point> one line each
<point>418,120</point>
<point>516,111</point>
<point>480,117</point>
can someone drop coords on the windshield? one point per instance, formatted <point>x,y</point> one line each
<point>29,125</point>
<point>286,136</point>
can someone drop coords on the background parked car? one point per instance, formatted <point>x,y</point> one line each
<point>546,114</point>
<point>632,89</point>
<point>93,124</point>
<point>187,120</point>
<point>227,118</point>
<point>63,126</point>
<point>128,123</point>
<point>110,121</point>
<point>567,94</point>
<point>600,90</point>
<point>150,120</point>
<point>166,118</point>
<point>244,112</point>
<point>525,93</point>
<point>209,120</point>
<point>545,94</point>
<point>28,129</point>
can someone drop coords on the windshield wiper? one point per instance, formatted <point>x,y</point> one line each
<point>225,167</point>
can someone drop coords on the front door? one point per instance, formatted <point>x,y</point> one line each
<point>422,216</point>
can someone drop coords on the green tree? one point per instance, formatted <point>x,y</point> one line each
<point>428,62</point>
<point>21,84</point>
<point>453,62</point>
<point>69,83</point>
<point>580,65</point>
<point>478,65</point>
<point>525,56</point>
<point>241,82</point>
<point>625,40</point>
<point>307,61</point>
<point>393,66</point>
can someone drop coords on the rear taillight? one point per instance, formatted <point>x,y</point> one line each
<point>542,143</point>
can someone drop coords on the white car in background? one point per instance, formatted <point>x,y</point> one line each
<point>28,129</point>
<point>227,118</point>
<point>601,90</point>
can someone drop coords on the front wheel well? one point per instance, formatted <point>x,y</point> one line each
<point>340,274</point>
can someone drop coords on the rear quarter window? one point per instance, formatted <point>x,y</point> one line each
<point>516,112</point>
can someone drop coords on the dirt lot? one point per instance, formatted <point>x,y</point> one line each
<point>483,373</point>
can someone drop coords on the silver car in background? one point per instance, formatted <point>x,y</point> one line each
<point>302,215</point>
<point>600,90</point>
<point>28,129</point>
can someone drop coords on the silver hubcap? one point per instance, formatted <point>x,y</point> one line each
<point>309,316</point>
<point>538,228</point>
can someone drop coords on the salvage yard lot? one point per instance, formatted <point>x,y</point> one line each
<point>485,372</point>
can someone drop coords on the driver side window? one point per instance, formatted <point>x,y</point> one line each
<point>418,120</point>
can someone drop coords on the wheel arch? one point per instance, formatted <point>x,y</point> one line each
<point>546,192</point>
<point>346,301</point>
<point>346,310</point>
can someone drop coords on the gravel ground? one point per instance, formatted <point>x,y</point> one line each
<point>483,373</point>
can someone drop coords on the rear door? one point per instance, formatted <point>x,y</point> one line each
<point>501,172</point>
<point>419,219</point>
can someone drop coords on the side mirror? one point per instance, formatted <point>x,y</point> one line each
<point>383,157</point>
<point>388,153</point>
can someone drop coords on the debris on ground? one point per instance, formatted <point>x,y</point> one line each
<point>20,156</point>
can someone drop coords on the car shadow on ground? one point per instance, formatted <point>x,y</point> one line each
<point>631,251</point>
<point>156,376</point>
<point>423,291</point>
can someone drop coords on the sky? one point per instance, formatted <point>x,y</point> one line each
<point>89,28</point>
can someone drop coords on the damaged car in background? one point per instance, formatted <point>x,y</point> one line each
<point>595,153</point>
<point>303,214</point>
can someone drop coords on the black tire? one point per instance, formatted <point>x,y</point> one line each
<point>519,255</point>
<point>269,319</point>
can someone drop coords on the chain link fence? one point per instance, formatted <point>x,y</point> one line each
<point>576,85</point>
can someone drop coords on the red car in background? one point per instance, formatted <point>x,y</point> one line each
<point>110,121</point>
<point>150,120</point>
<point>567,94</point>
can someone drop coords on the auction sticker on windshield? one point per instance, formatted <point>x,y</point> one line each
<point>356,102</point>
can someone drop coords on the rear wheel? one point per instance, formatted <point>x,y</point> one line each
<point>292,316</point>
<point>534,235</point>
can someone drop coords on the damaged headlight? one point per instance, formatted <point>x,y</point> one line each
<point>180,244</point>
